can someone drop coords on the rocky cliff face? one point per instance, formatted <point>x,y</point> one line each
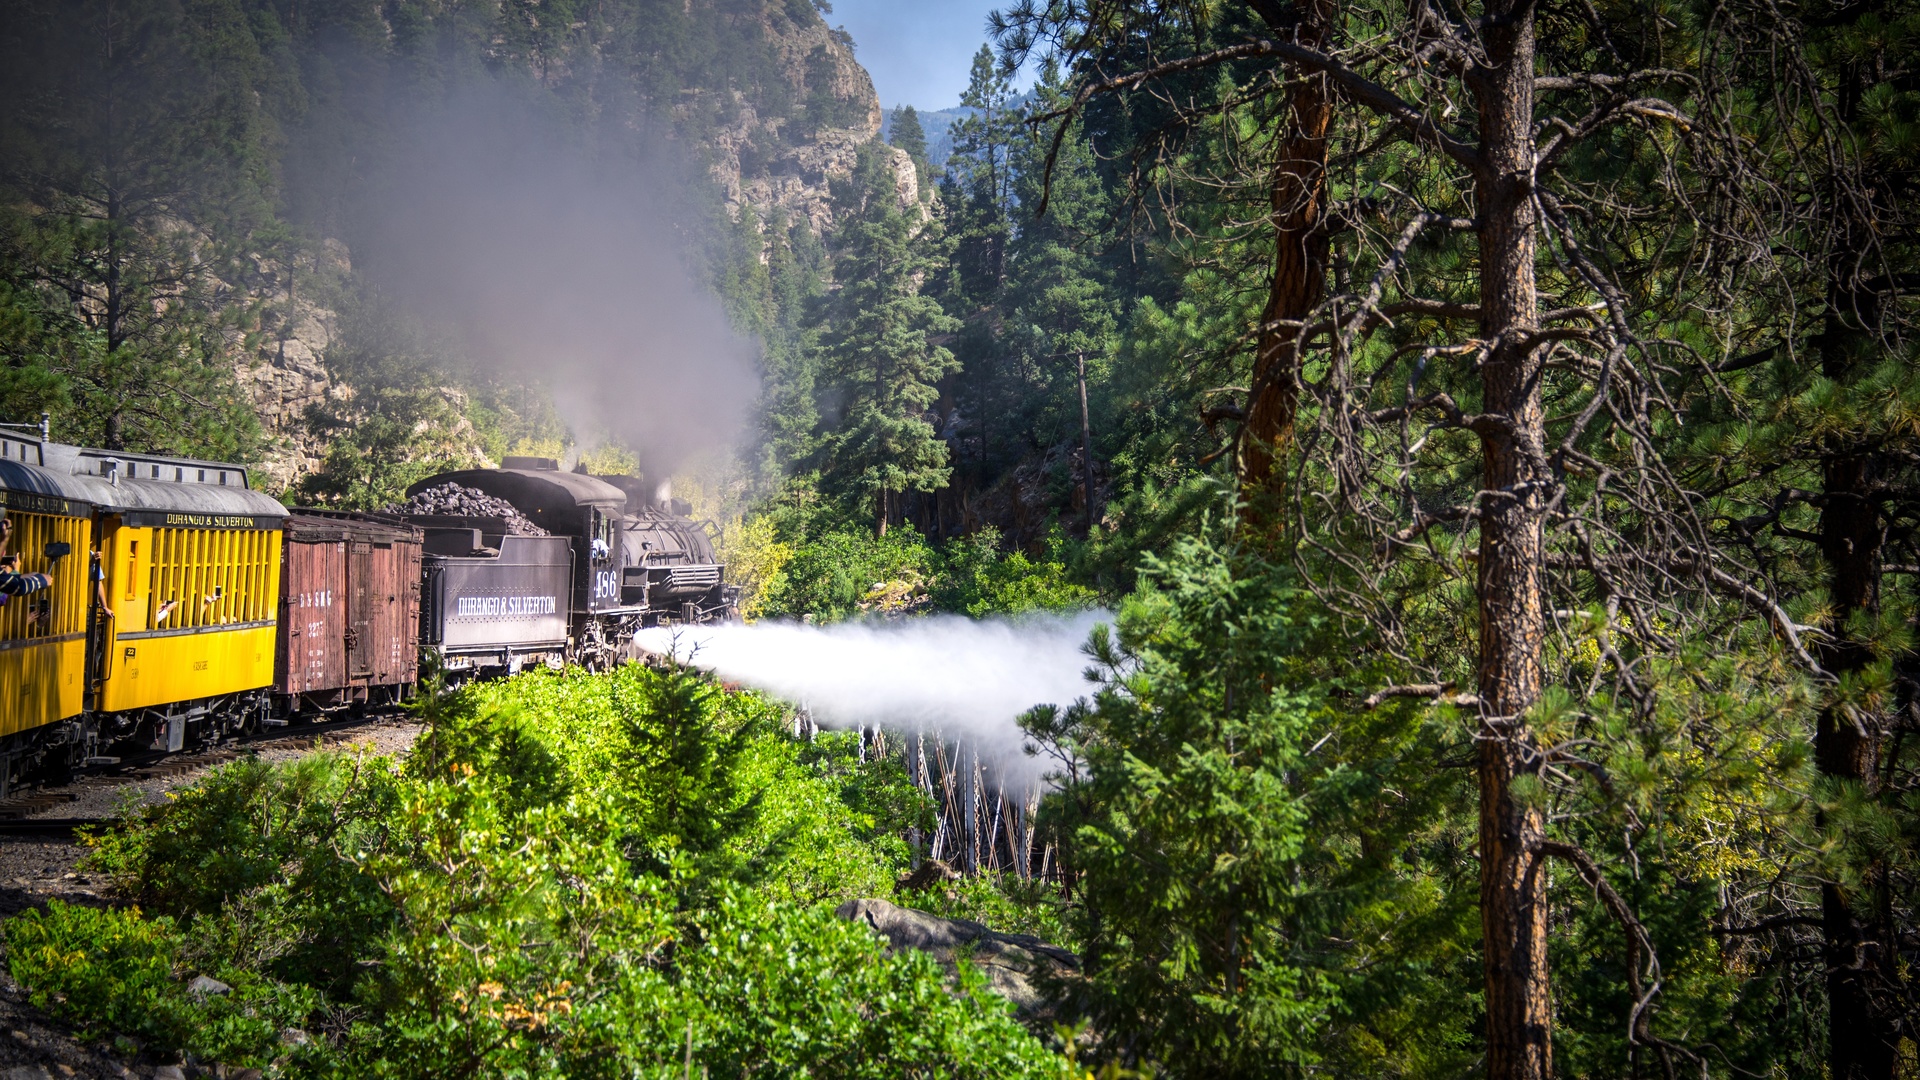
<point>786,164</point>
<point>780,155</point>
<point>285,374</point>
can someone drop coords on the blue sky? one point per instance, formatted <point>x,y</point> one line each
<point>918,51</point>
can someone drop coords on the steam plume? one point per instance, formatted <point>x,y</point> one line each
<point>963,678</point>
<point>559,263</point>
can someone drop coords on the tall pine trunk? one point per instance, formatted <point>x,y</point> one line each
<point>113,317</point>
<point>1298,195</point>
<point>1513,897</point>
<point>1862,1038</point>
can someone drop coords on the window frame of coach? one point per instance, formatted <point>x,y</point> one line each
<point>43,635</point>
<point>221,575</point>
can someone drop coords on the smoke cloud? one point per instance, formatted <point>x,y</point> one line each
<point>555,262</point>
<point>965,679</point>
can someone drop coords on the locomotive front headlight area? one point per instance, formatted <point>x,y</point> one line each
<point>148,603</point>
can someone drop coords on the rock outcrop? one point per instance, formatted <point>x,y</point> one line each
<point>1014,964</point>
<point>1026,501</point>
<point>286,374</point>
<point>777,164</point>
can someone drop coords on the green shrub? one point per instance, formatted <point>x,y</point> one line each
<point>116,972</point>
<point>976,579</point>
<point>265,844</point>
<point>835,577</point>
<point>822,999</point>
<point>572,875</point>
<point>830,576</point>
<point>695,771</point>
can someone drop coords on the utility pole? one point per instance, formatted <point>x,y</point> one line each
<point>1086,445</point>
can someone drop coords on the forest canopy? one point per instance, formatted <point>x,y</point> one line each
<point>1495,427</point>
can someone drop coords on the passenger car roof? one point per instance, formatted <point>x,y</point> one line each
<point>147,488</point>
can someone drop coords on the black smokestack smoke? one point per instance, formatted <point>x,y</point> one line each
<point>559,263</point>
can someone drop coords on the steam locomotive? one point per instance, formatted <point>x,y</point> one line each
<point>206,608</point>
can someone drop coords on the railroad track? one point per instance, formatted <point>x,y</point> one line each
<point>51,827</point>
<point>17,811</point>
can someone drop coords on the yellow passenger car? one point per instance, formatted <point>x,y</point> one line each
<point>179,631</point>
<point>43,647</point>
<point>194,603</point>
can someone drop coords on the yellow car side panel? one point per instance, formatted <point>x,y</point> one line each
<point>183,667</point>
<point>152,660</point>
<point>41,683</point>
<point>43,649</point>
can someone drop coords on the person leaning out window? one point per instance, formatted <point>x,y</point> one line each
<point>12,582</point>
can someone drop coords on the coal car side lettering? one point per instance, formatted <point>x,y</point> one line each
<point>506,606</point>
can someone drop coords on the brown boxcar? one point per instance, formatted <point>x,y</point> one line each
<point>349,611</point>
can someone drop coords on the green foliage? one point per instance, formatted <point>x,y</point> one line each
<point>118,973</point>
<point>842,574</point>
<point>572,875</point>
<point>682,769</point>
<point>263,843</point>
<point>871,1018</point>
<point>831,575</point>
<point>705,778</point>
<point>977,579</point>
<point>1254,890</point>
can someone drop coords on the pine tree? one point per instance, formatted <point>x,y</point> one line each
<point>878,360</point>
<point>1818,427</point>
<point>905,133</point>
<point>1467,377</point>
<point>983,177</point>
<point>132,143</point>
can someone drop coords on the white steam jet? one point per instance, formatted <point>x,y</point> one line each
<point>962,678</point>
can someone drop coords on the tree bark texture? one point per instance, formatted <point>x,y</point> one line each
<point>1298,195</point>
<point>1862,1037</point>
<point>1086,445</point>
<point>1513,896</point>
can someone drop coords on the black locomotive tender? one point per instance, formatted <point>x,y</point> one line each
<point>618,558</point>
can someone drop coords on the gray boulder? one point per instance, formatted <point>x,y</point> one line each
<point>206,986</point>
<point>1012,963</point>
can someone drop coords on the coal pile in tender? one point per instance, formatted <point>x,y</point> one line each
<point>453,500</point>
